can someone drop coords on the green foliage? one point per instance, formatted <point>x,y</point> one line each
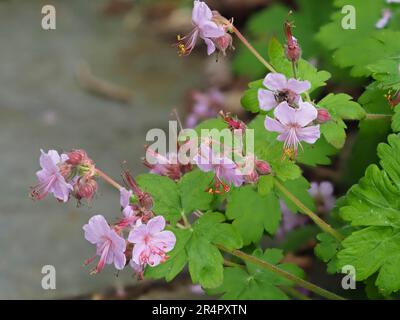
<point>252,213</point>
<point>340,108</point>
<point>374,205</point>
<point>253,282</point>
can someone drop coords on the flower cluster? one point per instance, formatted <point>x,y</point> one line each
<point>208,25</point>
<point>293,117</point>
<point>71,173</point>
<point>147,242</point>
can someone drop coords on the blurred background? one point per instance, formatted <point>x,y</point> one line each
<point>100,81</point>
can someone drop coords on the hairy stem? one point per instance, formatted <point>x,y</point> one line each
<point>108,179</point>
<point>268,266</point>
<point>252,49</point>
<point>314,217</point>
<point>373,116</point>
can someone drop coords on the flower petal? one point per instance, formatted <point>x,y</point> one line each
<point>266,99</point>
<point>274,125</point>
<point>156,225</point>
<point>298,86</point>
<point>285,114</point>
<point>306,113</point>
<point>210,46</point>
<point>275,81</point>
<point>309,134</point>
<point>209,29</point>
<point>201,12</point>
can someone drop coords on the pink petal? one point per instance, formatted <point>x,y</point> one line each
<point>138,234</point>
<point>125,196</point>
<point>201,12</point>
<point>298,86</point>
<point>274,125</point>
<point>119,260</point>
<point>138,249</point>
<point>210,29</point>
<point>156,224</point>
<point>210,46</point>
<point>308,134</point>
<point>275,81</point>
<point>165,240</point>
<point>48,161</point>
<point>285,114</point>
<point>96,229</point>
<point>266,99</point>
<point>326,188</point>
<point>306,113</point>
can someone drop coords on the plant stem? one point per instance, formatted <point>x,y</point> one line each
<point>229,263</point>
<point>108,179</point>
<point>314,217</point>
<point>373,116</point>
<point>294,293</point>
<point>268,266</point>
<point>252,49</point>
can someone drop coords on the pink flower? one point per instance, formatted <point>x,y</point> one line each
<point>225,169</point>
<point>204,27</point>
<point>280,89</point>
<point>292,48</point>
<point>125,197</point>
<point>52,177</point>
<point>151,243</point>
<point>109,245</point>
<point>293,125</point>
<point>323,195</point>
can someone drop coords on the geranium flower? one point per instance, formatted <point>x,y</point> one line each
<point>52,177</point>
<point>151,243</point>
<point>109,245</point>
<point>293,124</point>
<point>204,27</point>
<point>226,171</point>
<point>280,89</point>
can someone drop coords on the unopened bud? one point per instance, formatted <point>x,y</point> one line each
<point>323,115</point>
<point>252,177</point>
<point>292,48</point>
<point>263,167</point>
<point>146,201</point>
<point>223,43</point>
<point>76,157</point>
<point>233,123</point>
<point>85,188</point>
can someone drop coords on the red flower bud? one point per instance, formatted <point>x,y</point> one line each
<point>76,157</point>
<point>323,115</point>
<point>223,43</point>
<point>252,177</point>
<point>263,167</point>
<point>85,188</point>
<point>293,50</point>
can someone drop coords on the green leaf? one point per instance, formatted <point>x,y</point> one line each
<point>340,108</point>
<point>253,213</point>
<point>254,282</point>
<point>374,204</point>
<point>265,184</point>
<point>396,119</point>
<point>211,227</point>
<point>386,72</point>
<point>205,262</point>
<point>192,189</point>
<point>165,195</point>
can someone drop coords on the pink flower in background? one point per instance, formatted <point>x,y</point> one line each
<point>323,195</point>
<point>151,243</point>
<point>109,245</point>
<point>280,89</point>
<point>384,20</point>
<point>225,169</point>
<point>293,124</point>
<point>52,176</point>
<point>206,105</point>
<point>204,27</point>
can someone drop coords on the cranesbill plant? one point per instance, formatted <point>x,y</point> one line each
<point>212,213</point>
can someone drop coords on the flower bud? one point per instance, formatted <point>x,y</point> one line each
<point>76,157</point>
<point>263,167</point>
<point>146,201</point>
<point>223,43</point>
<point>292,48</point>
<point>233,123</point>
<point>252,177</point>
<point>323,115</point>
<point>85,188</point>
